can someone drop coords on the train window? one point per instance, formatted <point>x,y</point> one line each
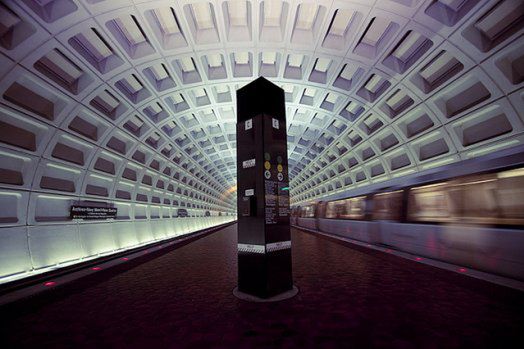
<point>473,198</point>
<point>517,173</point>
<point>308,211</point>
<point>387,206</point>
<point>429,203</point>
<point>331,209</point>
<point>509,196</point>
<point>484,199</point>
<point>321,209</point>
<point>353,208</point>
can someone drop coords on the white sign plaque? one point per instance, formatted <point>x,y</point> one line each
<point>248,163</point>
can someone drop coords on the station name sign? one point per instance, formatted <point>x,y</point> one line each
<point>89,212</point>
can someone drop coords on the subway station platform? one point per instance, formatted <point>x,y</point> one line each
<point>350,297</point>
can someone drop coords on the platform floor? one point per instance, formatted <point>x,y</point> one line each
<point>349,298</point>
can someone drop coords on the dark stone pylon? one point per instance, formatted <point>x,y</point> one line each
<point>264,245</point>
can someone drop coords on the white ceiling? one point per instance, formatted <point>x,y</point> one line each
<point>374,90</point>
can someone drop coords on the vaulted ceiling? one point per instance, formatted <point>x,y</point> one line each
<point>135,100</point>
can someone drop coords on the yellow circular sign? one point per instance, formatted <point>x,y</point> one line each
<point>279,168</point>
<point>267,165</point>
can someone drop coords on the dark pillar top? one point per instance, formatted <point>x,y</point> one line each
<point>260,97</point>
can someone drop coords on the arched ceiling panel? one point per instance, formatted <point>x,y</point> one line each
<point>135,100</point>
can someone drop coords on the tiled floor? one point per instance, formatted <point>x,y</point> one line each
<point>349,298</point>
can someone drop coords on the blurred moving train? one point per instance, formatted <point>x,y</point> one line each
<point>470,213</point>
